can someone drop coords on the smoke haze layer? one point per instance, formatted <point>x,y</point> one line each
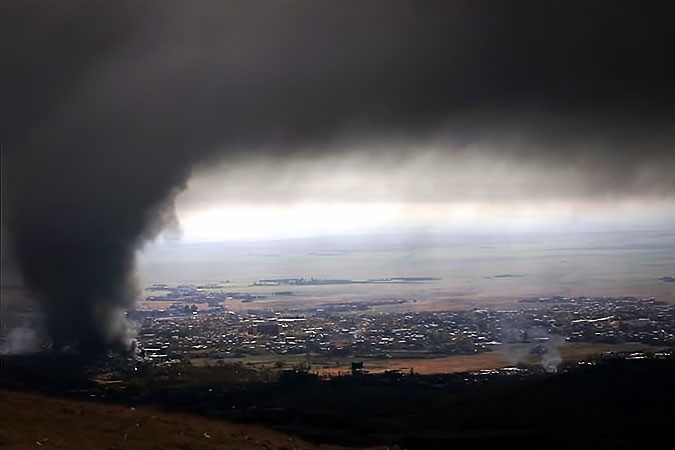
<point>109,107</point>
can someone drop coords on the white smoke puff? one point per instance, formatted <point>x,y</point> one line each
<point>20,341</point>
<point>547,344</point>
<point>521,343</point>
<point>121,332</point>
<point>551,358</point>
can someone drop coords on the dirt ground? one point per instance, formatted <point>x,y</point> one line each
<point>29,421</point>
<point>489,360</point>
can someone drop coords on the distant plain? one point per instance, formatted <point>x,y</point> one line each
<point>471,270</point>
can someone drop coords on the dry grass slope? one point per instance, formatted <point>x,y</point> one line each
<point>29,421</point>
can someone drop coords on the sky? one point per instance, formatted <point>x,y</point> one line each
<point>125,122</point>
<point>430,187</point>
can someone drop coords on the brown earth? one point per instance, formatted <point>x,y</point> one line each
<point>30,421</point>
<point>518,353</point>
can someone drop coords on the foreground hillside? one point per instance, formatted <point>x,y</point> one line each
<point>611,402</point>
<point>30,421</point>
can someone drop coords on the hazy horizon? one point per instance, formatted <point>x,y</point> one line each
<point>476,269</point>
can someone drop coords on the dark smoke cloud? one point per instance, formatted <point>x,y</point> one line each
<point>108,106</point>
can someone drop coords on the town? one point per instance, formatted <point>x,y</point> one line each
<point>185,331</point>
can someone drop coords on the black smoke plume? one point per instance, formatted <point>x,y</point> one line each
<point>108,106</point>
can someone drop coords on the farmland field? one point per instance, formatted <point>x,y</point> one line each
<point>429,364</point>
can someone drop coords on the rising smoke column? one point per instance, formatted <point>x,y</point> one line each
<point>85,181</point>
<point>108,106</point>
